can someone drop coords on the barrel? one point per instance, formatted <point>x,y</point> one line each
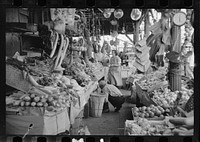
<point>97,102</point>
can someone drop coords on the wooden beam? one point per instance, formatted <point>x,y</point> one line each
<point>147,24</point>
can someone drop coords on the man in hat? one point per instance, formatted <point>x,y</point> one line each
<point>114,96</point>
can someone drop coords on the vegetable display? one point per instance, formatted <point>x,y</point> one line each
<point>142,126</point>
<point>37,98</point>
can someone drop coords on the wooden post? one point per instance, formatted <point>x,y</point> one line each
<point>136,32</point>
<point>147,23</point>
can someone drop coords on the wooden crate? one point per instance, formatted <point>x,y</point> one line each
<point>15,79</point>
<point>143,94</point>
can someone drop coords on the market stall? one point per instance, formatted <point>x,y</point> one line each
<point>49,90</point>
<point>53,75</point>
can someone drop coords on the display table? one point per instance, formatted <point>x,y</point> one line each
<point>49,124</point>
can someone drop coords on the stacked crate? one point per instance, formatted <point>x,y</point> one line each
<point>142,62</point>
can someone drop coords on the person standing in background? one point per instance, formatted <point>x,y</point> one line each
<point>105,63</point>
<point>114,75</point>
<point>98,54</point>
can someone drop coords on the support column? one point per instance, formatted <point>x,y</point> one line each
<point>136,32</point>
<point>147,23</point>
<point>175,69</point>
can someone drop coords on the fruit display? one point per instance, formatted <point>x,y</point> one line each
<point>166,98</point>
<point>142,126</point>
<point>151,112</point>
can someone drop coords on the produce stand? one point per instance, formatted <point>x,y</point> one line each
<point>53,77</point>
<point>51,123</point>
<point>143,92</point>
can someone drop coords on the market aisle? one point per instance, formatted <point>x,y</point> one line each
<point>110,123</point>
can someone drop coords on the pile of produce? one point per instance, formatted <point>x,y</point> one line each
<point>39,66</point>
<point>45,81</point>
<point>82,78</point>
<point>94,69</point>
<point>50,97</point>
<point>36,66</point>
<point>148,82</point>
<point>160,73</point>
<point>142,126</point>
<point>150,112</point>
<point>39,98</point>
<point>77,70</point>
<point>166,98</point>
